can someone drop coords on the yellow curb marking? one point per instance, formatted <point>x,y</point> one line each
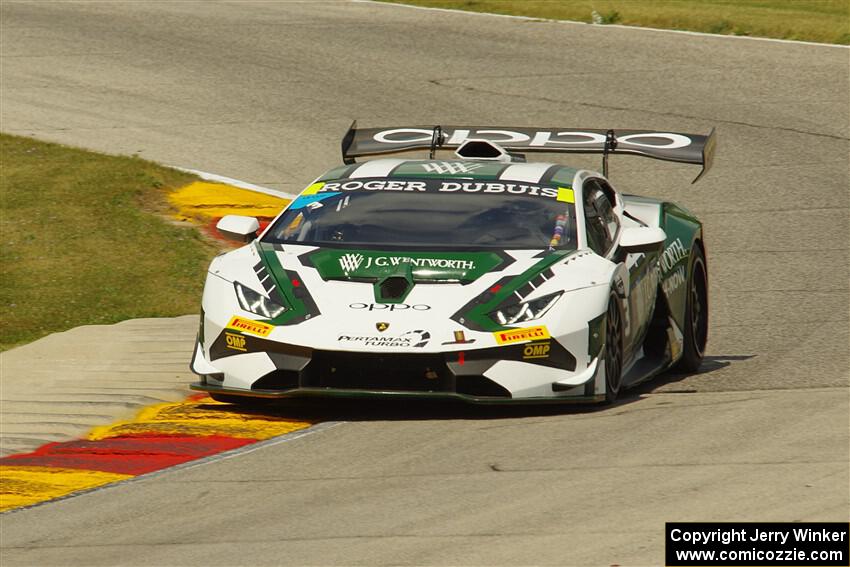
<point>23,486</point>
<point>27,485</point>
<point>198,418</point>
<point>206,201</point>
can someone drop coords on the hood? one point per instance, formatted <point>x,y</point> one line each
<point>353,299</point>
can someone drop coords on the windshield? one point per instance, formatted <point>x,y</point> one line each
<point>429,213</point>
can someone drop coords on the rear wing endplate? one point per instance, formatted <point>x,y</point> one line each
<point>668,146</point>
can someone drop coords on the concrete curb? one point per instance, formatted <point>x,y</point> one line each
<point>60,386</point>
<point>56,389</point>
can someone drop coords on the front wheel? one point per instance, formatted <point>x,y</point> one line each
<point>613,348</point>
<point>696,315</point>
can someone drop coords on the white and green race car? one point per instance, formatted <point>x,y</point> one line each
<point>483,277</point>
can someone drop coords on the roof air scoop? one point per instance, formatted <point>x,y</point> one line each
<point>485,150</point>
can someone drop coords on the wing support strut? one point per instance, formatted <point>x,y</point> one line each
<point>610,146</point>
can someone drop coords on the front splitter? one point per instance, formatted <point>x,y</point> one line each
<point>388,394</point>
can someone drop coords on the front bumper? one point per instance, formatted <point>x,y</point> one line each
<point>489,375</point>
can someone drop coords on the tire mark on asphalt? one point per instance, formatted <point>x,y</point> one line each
<point>762,290</point>
<point>793,210</point>
<point>488,468</point>
<point>814,322</point>
<point>438,83</point>
<point>738,252</point>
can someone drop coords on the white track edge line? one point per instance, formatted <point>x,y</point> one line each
<point>224,455</point>
<point>615,26</point>
<point>235,182</point>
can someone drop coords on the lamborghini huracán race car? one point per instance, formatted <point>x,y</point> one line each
<point>483,277</point>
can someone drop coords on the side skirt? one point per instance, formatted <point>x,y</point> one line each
<point>658,351</point>
<point>644,369</point>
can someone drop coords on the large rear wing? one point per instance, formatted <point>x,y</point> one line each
<point>668,146</point>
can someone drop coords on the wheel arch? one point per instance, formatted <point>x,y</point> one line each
<point>684,233</point>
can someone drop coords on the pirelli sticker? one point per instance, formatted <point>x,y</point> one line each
<point>250,326</point>
<point>521,335</point>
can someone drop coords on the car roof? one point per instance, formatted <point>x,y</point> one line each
<point>534,172</point>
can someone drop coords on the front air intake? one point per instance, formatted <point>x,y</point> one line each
<point>393,288</point>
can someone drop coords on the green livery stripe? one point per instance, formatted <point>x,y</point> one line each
<point>297,308</point>
<point>449,170</point>
<point>564,177</point>
<point>682,229</point>
<point>478,313</point>
<point>596,336</point>
<point>340,172</point>
<point>419,266</point>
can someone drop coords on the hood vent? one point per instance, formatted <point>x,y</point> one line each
<point>393,289</point>
<point>485,150</point>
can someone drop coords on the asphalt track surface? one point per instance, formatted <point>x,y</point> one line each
<point>263,92</point>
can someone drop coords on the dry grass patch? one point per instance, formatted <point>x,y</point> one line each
<point>824,21</point>
<point>84,241</point>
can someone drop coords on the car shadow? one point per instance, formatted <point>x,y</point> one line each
<point>365,409</point>
<point>709,364</point>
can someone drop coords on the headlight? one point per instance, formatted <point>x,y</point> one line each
<point>258,304</point>
<point>525,311</point>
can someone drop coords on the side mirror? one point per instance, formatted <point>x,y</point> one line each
<point>239,228</point>
<point>642,239</point>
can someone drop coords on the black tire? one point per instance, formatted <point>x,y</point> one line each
<point>245,401</point>
<point>613,348</point>
<point>695,330</point>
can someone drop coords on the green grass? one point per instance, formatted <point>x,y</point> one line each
<point>824,21</point>
<point>84,241</point>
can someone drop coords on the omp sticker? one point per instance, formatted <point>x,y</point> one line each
<point>522,335</point>
<point>566,195</point>
<point>235,342</point>
<point>250,326</point>
<point>536,350</point>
